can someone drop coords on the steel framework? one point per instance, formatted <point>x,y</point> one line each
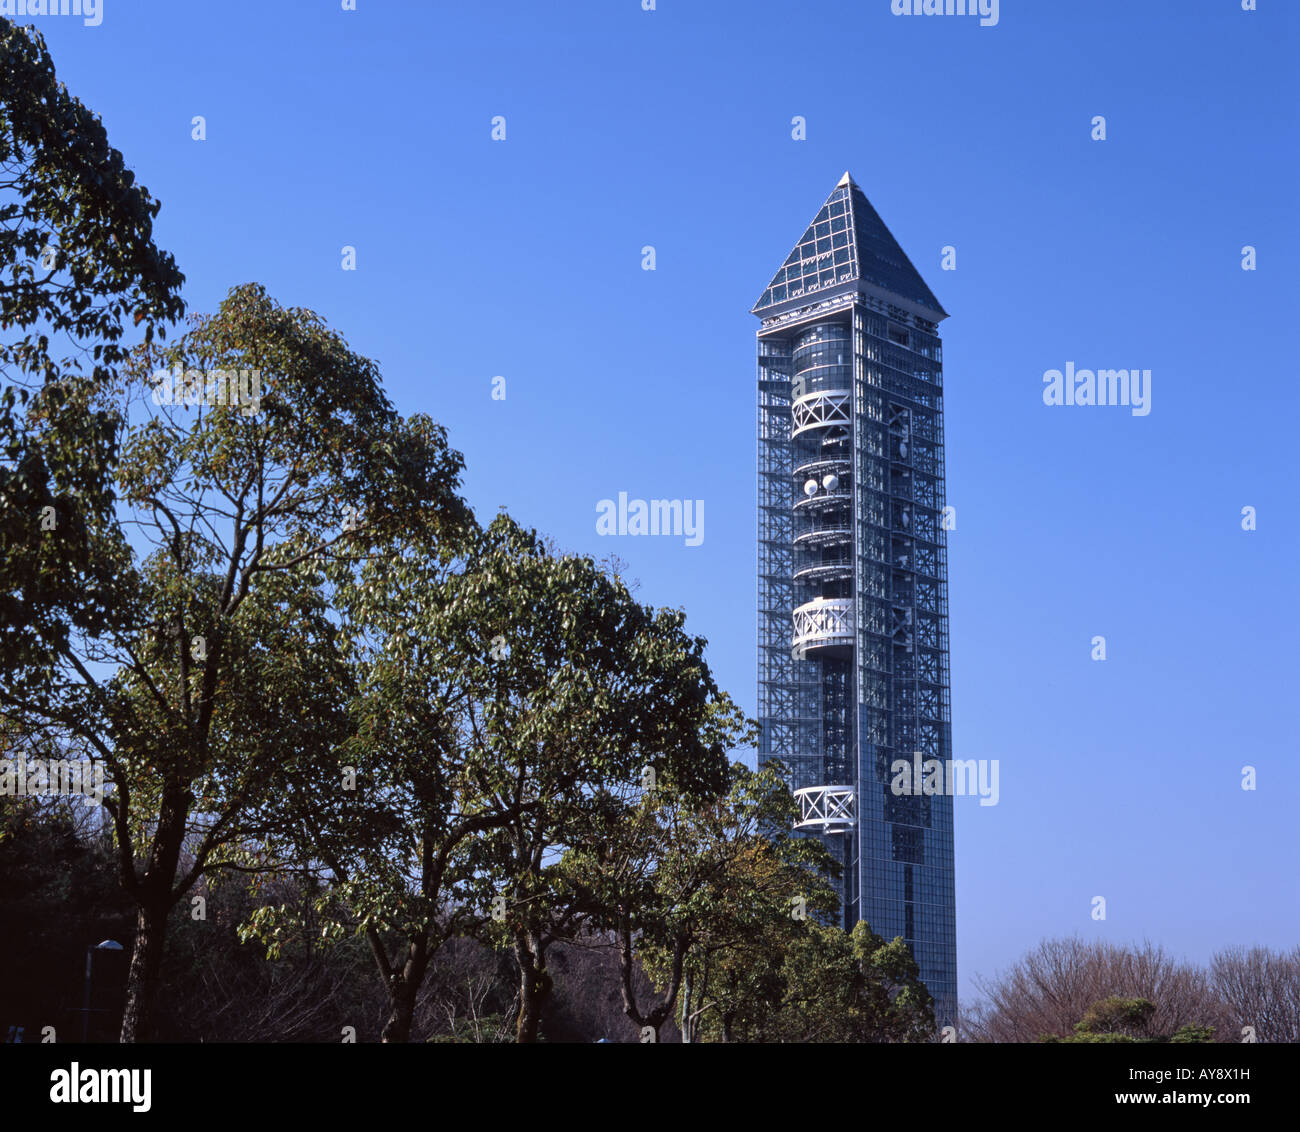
<point>852,569</point>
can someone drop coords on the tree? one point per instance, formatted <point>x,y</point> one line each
<point>498,688</point>
<point>734,972</point>
<point>1261,989</point>
<point>225,668</point>
<point>817,983</point>
<point>78,264</point>
<point>1128,1020</point>
<point>670,874</point>
<point>387,848</point>
<point>1052,987</point>
<point>589,688</point>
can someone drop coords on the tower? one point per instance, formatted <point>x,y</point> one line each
<point>852,570</point>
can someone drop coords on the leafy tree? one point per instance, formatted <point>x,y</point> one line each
<point>588,689</point>
<point>822,984</point>
<point>500,689</point>
<point>387,849</point>
<point>1128,1020</point>
<point>78,265</point>
<point>1122,1018</point>
<point>670,875</point>
<point>221,671</point>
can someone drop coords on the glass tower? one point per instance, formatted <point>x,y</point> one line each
<point>853,573</point>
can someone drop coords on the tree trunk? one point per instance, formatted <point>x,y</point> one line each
<point>657,1015</point>
<point>154,899</point>
<point>142,978</point>
<point>688,1023</point>
<point>403,991</point>
<point>534,988</point>
<point>401,1011</point>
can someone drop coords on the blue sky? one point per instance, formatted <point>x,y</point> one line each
<point>672,128</point>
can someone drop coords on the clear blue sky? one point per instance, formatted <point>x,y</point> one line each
<point>672,128</point>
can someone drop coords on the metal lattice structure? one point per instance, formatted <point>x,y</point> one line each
<point>826,808</point>
<point>852,569</point>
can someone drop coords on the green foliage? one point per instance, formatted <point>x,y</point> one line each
<point>71,194</point>
<point>1124,1015</point>
<point>674,875</point>
<point>589,690</point>
<point>230,674</point>
<point>822,984</point>
<point>1127,1020</point>
<point>227,670</point>
<point>502,693</point>
<point>78,265</point>
<point>721,902</point>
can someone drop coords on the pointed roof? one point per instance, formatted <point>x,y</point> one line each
<point>847,242</point>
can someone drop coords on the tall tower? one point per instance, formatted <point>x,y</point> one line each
<point>853,572</point>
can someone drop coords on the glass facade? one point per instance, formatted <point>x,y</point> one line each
<point>852,569</point>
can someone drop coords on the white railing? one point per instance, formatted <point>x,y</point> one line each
<point>831,807</point>
<point>824,622</point>
<point>826,408</point>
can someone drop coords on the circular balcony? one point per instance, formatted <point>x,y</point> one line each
<point>823,409</point>
<point>823,627</point>
<point>834,564</point>
<point>820,467</point>
<point>823,528</point>
<point>824,500</point>
<point>829,809</point>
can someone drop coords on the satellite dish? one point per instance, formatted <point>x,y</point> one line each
<point>810,488</point>
<point>831,482</point>
<point>902,449</point>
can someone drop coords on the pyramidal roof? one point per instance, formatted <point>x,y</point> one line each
<point>847,242</point>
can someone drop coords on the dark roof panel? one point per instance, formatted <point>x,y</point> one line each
<point>830,253</point>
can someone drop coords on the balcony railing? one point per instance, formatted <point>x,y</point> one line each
<point>823,527</point>
<point>832,808</point>
<point>827,408</point>
<point>821,466</point>
<point>835,563</point>
<point>823,624</point>
<point>824,499</point>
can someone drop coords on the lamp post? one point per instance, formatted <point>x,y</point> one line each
<point>105,945</point>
